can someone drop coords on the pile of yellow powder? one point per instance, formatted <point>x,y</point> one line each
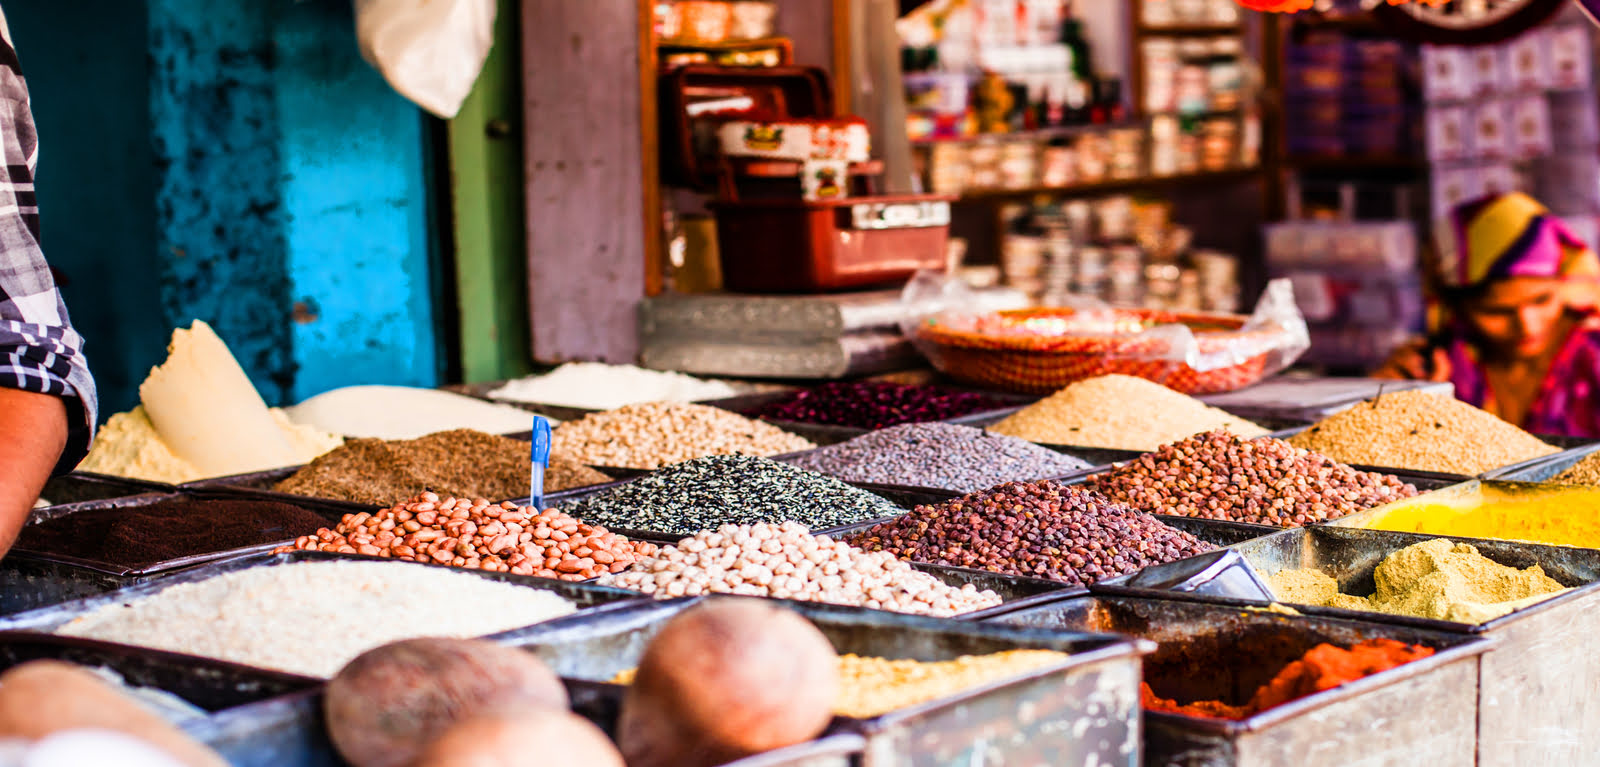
<point>1437,579</point>
<point>1562,516</point>
<point>871,687</point>
<point>128,446</point>
<point>1120,413</point>
<point>1423,432</point>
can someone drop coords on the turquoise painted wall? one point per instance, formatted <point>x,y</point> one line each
<point>265,179</point>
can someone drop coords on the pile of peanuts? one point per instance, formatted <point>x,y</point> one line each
<point>787,562</point>
<point>480,535</point>
<point>1263,481</point>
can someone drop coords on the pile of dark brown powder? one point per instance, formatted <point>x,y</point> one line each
<point>462,463</point>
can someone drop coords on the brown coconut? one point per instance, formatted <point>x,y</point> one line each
<point>529,738</point>
<point>724,680</point>
<point>43,697</point>
<point>390,702</point>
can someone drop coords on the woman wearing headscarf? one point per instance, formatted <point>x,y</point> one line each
<point>1514,318</point>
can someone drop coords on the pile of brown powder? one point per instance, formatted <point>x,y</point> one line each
<point>1121,413</point>
<point>1584,472</point>
<point>1437,579</point>
<point>462,463</point>
<point>1422,432</point>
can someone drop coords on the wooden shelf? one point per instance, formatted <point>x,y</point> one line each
<point>1357,164</point>
<point>726,45</point>
<point>1348,22</point>
<point>1114,186</point>
<point>1189,30</point>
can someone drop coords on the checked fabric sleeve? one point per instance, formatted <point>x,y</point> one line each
<point>39,350</point>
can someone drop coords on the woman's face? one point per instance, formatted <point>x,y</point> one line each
<point>1519,316</point>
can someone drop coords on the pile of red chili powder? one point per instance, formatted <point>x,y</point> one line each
<point>876,404</point>
<point>1324,667</point>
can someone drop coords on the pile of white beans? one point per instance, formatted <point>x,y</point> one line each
<point>787,562</point>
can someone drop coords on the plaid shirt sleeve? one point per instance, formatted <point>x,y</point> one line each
<point>39,350</point>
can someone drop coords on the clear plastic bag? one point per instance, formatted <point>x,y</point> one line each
<point>431,51</point>
<point>1041,350</point>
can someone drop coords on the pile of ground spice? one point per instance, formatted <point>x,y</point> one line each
<point>1584,472</point>
<point>1120,413</point>
<point>142,535</point>
<point>1324,667</point>
<point>1437,579</point>
<point>463,463</point>
<point>1422,432</point>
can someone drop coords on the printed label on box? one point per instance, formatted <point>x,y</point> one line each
<point>1569,58</point>
<point>1530,126</point>
<point>1491,137</point>
<point>1527,59</point>
<point>1485,63</point>
<point>1445,76</point>
<point>1498,179</point>
<point>1447,133</point>
<point>1453,187</point>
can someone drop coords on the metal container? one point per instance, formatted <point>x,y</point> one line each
<point>583,595</point>
<point>1081,711</point>
<point>290,732</point>
<point>82,486</point>
<point>212,685</point>
<point>1424,712</point>
<point>1536,690</point>
<point>19,553</point>
<point>1543,469</point>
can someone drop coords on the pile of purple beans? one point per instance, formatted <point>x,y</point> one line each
<point>876,404</point>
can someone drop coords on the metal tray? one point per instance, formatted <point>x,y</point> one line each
<point>290,732</point>
<point>1428,708</point>
<point>18,553</point>
<point>1083,711</point>
<point>1536,690</point>
<point>82,486</point>
<point>212,685</point>
<point>1543,469</point>
<point>585,596</point>
<point>561,412</point>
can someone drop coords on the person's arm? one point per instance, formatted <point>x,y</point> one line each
<point>35,429</point>
<point>47,396</point>
<point>1416,362</point>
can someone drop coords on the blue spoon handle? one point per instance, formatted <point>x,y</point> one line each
<point>539,461</point>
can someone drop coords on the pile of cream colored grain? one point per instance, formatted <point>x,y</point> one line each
<point>1120,413</point>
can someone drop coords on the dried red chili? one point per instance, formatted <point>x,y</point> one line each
<point>1324,667</point>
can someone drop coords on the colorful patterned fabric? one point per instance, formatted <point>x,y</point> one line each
<point>1510,235</point>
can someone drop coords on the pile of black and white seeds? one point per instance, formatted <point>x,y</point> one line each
<point>1262,481</point>
<point>1040,529</point>
<point>717,490</point>
<point>939,455</point>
